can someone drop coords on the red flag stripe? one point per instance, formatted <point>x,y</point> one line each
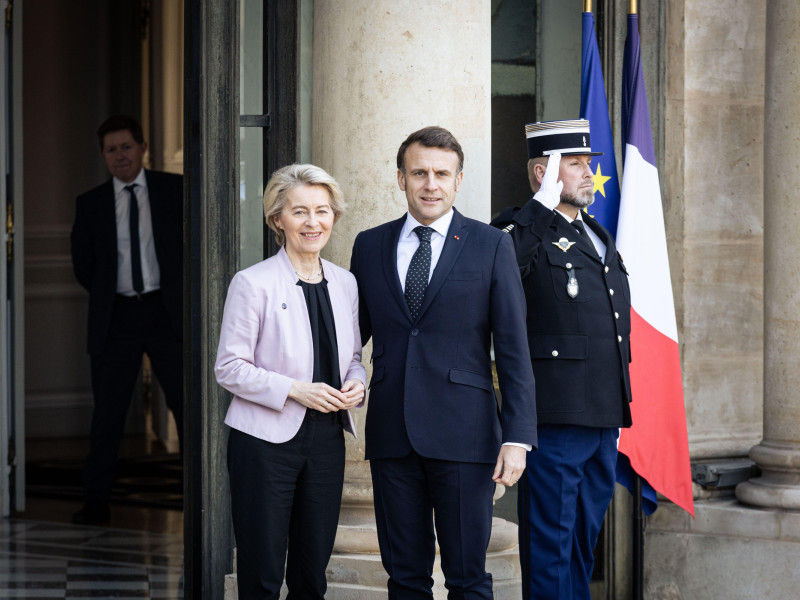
<point>657,444</point>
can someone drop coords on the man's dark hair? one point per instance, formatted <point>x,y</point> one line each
<point>431,137</point>
<point>120,123</point>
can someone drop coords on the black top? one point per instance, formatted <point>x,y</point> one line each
<point>323,333</point>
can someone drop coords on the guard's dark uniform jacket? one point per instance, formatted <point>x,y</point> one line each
<point>578,318</point>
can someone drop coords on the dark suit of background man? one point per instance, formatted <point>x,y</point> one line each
<point>579,333</point>
<point>135,297</point>
<point>432,300</point>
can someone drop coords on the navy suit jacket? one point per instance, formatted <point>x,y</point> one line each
<point>94,250</point>
<point>432,388</point>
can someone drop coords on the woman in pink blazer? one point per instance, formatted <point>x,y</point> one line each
<point>290,353</point>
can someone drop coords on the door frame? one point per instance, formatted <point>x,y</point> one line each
<point>212,122</point>
<point>12,309</point>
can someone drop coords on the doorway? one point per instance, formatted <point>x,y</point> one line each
<point>82,62</point>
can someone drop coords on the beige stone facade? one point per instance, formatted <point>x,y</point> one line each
<point>730,177</point>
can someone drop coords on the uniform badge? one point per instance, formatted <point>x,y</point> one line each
<point>572,283</point>
<point>564,244</point>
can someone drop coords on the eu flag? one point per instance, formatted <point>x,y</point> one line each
<point>594,108</point>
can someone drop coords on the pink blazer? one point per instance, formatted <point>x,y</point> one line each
<point>265,344</point>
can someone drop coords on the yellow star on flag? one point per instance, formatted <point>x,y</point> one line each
<point>599,181</point>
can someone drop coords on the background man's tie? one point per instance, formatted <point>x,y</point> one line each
<point>418,271</point>
<point>136,254</point>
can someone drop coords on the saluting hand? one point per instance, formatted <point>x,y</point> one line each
<point>549,193</point>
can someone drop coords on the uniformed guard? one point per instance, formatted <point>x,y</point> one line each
<point>579,305</point>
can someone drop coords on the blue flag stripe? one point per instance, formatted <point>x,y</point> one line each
<point>636,129</point>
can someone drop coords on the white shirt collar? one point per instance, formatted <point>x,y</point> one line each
<point>568,218</point>
<point>440,225</point>
<point>121,185</point>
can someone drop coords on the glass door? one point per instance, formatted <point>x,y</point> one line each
<point>269,54</point>
<point>253,130</point>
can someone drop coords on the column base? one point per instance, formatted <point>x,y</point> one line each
<point>779,483</point>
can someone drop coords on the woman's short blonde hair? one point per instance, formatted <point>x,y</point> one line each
<point>292,176</point>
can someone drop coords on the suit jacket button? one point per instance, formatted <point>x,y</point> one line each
<point>555,353</point>
<point>415,332</point>
<point>616,315</point>
<point>619,338</point>
<point>606,269</point>
<point>568,265</point>
<point>610,291</point>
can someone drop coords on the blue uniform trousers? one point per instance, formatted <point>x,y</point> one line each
<point>563,497</point>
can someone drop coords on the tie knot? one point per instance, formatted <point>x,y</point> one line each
<point>578,225</point>
<point>131,188</point>
<point>423,233</point>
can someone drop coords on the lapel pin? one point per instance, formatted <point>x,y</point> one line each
<point>564,244</point>
<point>456,237</point>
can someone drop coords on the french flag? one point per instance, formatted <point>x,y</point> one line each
<point>656,447</point>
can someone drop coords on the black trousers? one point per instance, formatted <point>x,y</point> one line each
<point>286,494</point>
<point>137,326</point>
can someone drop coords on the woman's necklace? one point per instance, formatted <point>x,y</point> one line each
<point>312,277</point>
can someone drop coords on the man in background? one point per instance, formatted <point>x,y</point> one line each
<point>127,253</point>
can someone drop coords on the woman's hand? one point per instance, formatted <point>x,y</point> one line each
<point>319,396</point>
<point>353,391</point>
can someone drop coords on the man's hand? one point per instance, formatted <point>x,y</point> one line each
<point>549,193</point>
<point>510,465</point>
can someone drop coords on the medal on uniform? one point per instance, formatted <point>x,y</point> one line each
<point>572,283</point>
<point>564,244</point>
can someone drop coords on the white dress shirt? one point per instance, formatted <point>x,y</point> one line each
<point>150,271</point>
<point>596,241</point>
<point>408,244</point>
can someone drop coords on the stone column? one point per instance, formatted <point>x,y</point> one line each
<point>383,69</point>
<point>778,454</point>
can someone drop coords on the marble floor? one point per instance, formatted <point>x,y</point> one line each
<point>138,555</point>
<point>40,559</point>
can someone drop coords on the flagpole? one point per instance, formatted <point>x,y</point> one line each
<point>587,5</point>
<point>638,516</point>
<point>638,539</point>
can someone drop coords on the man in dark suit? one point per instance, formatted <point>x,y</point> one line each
<point>126,252</point>
<point>435,289</point>
<point>578,325</point>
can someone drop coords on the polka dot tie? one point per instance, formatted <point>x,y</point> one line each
<point>418,271</point>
